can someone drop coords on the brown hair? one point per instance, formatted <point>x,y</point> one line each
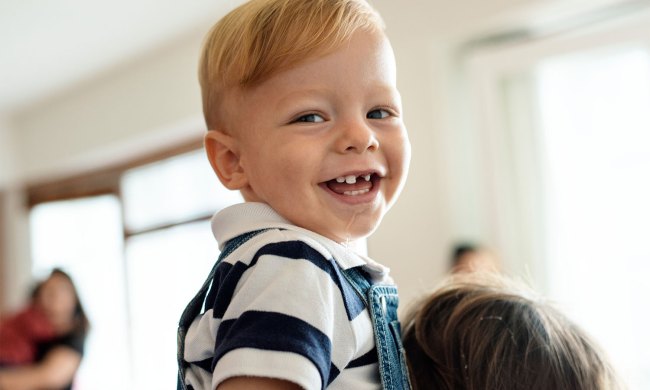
<point>81,323</point>
<point>263,37</point>
<point>485,332</point>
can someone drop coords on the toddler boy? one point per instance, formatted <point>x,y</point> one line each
<point>304,119</point>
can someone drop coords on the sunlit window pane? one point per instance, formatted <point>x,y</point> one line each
<point>84,237</point>
<point>166,268</point>
<point>173,190</point>
<point>595,110</point>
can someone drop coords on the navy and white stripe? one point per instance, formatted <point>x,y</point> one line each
<point>279,306</point>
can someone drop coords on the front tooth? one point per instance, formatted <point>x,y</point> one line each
<point>355,193</point>
<point>350,179</point>
<point>367,177</point>
<point>340,179</point>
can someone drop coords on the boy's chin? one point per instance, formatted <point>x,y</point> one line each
<point>351,235</point>
<point>340,230</point>
<point>360,231</point>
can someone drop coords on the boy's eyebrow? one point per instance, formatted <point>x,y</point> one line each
<point>318,93</point>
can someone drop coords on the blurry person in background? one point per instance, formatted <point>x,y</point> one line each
<point>482,331</point>
<point>50,344</point>
<point>468,257</point>
<point>20,334</point>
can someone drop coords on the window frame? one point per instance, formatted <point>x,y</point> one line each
<point>508,180</point>
<point>107,181</point>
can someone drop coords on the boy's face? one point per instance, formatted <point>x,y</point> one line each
<point>323,143</point>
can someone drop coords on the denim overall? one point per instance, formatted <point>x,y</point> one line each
<point>380,300</point>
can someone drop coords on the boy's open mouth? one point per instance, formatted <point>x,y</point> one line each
<point>353,185</point>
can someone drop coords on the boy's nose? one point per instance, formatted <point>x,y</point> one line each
<point>358,137</point>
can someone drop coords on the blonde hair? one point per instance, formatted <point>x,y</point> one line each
<point>263,37</point>
<point>486,332</point>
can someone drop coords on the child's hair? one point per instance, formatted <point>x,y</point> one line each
<point>263,37</point>
<point>485,332</point>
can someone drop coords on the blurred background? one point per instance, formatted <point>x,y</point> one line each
<point>530,125</point>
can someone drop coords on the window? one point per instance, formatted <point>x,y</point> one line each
<point>84,237</point>
<point>595,128</point>
<point>165,269</point>
<point>138,255</point>
<point>173,190</point>
<point>169,252</point>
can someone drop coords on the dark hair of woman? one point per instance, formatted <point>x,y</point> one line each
<point>482,332</point>
<point>81,323</point>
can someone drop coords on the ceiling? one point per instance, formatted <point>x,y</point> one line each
<point>47,46</point>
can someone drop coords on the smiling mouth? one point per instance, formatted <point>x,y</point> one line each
<point>353,185</point>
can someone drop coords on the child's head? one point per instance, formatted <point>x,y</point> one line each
<point>303,112</point>
<point>487,333</point>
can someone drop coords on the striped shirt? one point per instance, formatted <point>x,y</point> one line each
<point>279,306</point>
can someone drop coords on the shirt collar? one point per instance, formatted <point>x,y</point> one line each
<point>250,216</point>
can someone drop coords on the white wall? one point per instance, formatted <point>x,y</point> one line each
<point>144,100</point>
<point>14,241</point>
<point>151,103</point>
<point>15,251</point>
<point>7,165</point>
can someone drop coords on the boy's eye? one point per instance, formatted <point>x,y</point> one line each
<point>310,118</point>
<point>378,114</point>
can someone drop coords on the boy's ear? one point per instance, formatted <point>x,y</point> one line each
<point>223,153</point>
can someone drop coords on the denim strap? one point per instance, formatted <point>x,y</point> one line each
<point>193,308</point>
<point>381,302</point>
